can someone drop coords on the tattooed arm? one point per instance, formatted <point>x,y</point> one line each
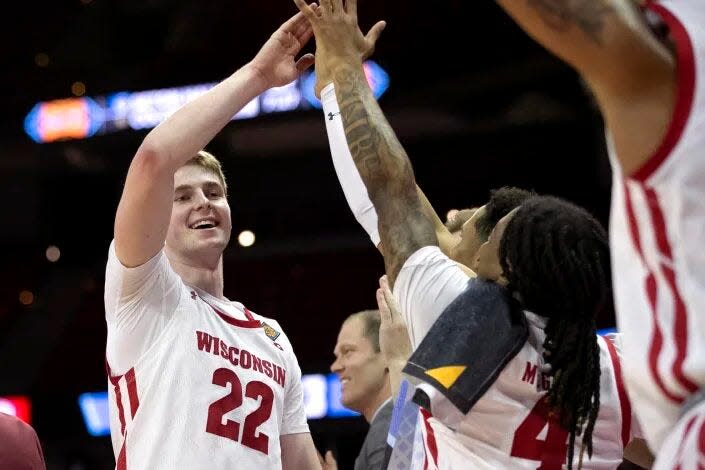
<point>608,42</point>
<point>379,157</point>
<point>384,168</point>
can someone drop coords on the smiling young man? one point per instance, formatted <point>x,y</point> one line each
<point>196,380</point>
<point>365,382</point>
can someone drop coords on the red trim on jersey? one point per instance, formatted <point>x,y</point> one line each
<point>249,323</point>
<point>701,439</point>
<point>115,380</point>
<point>656,343</point>
<point>430,439</point>
<point>685,93</point>
<point>624,403</point>
<point>122,457</point>
<point>248,314</point>
<point>131,382</point>
<point>121,463</point>
<point>680,326</point>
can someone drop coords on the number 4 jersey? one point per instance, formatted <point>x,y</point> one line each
<point>194,381</point>
<point>511,425</point>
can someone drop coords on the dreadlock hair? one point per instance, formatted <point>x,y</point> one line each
<point>555,256</point>
<point>502,201</point>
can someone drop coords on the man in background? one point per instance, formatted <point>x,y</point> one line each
<point>365,382</point>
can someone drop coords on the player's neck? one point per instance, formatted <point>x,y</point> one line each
<point>206,278</point>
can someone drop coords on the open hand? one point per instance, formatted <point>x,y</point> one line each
<point>338,36</point>
<point>276,61</point>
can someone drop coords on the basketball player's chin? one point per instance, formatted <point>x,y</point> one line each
<point>209,236</point>
<point>210,244</point>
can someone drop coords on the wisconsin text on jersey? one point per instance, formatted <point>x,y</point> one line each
<point>239,357</point>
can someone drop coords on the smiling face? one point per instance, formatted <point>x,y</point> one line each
<point>200,217</point>
<point>360,368</point>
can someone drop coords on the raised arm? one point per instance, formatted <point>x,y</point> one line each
<point>353,186</point>
<point>379,157</point>
<point>144,210</point>
<point>609,43</point>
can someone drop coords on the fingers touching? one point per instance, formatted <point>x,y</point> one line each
<point>305,10</point>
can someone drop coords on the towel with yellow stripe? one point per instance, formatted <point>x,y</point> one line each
<point>469,344</point>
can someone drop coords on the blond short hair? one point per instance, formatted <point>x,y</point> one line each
<point>207,161</point>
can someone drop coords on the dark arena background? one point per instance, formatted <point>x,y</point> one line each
<point>475,102</point>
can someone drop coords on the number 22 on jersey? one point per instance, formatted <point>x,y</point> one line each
<point>231,429</point>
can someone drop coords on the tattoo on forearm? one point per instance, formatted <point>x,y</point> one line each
<point>384,168</point>
<point>371,140</point>
<point>589,15</point>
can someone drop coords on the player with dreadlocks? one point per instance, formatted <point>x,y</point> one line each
<point>555,258</point>
<point>513,424</point>
<point>565,382</point>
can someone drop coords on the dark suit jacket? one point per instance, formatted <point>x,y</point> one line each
<point>371,455</point>
<point>19,445</point>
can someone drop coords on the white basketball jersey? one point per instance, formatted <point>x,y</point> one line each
<point>657,236</point>
<point>211,386</point>
<point>510,426</point>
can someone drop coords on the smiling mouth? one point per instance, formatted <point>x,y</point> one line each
<point>204,225</point>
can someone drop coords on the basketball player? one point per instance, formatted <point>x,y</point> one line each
<point>646,68</point>
<point>195,380</point>
<point>563,366</point>
<point>428,281</point>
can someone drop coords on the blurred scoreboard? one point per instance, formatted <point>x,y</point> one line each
<point>84,117</point>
